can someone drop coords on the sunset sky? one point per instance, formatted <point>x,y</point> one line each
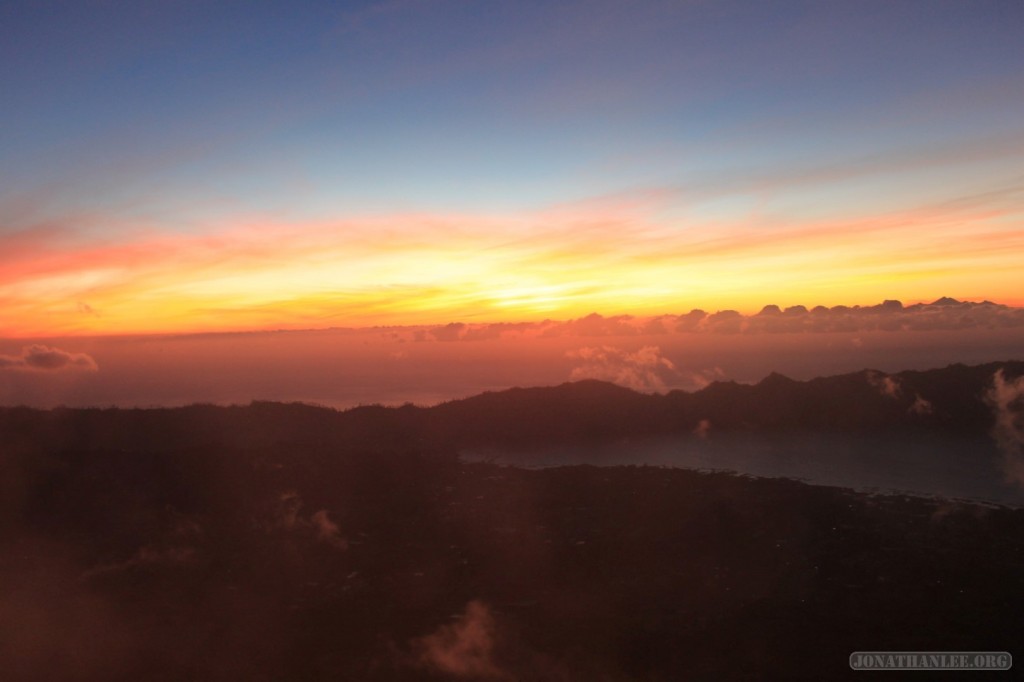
<point>194,166</point>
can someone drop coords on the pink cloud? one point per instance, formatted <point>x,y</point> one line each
<point>641,370</point>
<point>47,359</point>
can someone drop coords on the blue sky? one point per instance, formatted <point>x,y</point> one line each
<point>184,116</point>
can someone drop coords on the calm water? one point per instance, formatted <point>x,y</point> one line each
<point>929,466</point>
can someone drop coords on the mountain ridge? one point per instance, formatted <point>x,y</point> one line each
<point>952,399</point>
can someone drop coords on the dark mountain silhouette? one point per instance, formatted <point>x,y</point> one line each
<point>581,411</point>
<point>290,542</point>
<point>854,403</point>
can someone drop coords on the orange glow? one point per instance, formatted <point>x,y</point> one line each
<point>413,269</point>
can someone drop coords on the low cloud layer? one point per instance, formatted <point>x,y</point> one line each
<point>327,531</point>
<point>47,359</point>
<point>1007,400</point>
<point>891,316</point>
<point>642,370</point>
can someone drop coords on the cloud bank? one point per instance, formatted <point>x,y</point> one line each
<point>944,314</point>
<point>47,359</point>
<point>891,315</point>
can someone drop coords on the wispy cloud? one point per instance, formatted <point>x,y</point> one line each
<point>887,385</point>
<point>1006,396</point>
<point>891,387</point>
<point>464,649</point>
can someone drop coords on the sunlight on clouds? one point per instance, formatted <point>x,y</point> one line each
<point>58,285</point>
<point>416,269</point>
<point>538,297</point>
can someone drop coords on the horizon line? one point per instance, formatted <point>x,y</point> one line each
<point>893,306</point>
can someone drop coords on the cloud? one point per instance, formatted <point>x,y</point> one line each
<point>890,315</point>
<point>47,359</point>
<point>691,321</point>
<point>642,370</point>
<point>288,516</point>
<point>1006,397</point>
<point>705,377</point>
<point>655,326</point>
<point>497,330</point>
<point>886,385</point>
<point>891,387</point>
<point>595,324</point>
<point>726,322</point>
<point>920,406</point>
<point>327,531</point>
<point>463,649</point>
<point>289,504</point>
<point>461,331</point>
<point>449,332</point>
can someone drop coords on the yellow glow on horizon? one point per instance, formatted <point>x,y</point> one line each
<point>433,270</point>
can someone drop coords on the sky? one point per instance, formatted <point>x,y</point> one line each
<point>179,167</point>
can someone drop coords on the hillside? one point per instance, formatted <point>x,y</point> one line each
<point>278,565</point>
<point>949,400</point>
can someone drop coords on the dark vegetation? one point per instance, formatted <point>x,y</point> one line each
<point>286,542</point>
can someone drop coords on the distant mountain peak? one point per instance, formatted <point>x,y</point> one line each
<point>596,386</point>
<point>776,379</point>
